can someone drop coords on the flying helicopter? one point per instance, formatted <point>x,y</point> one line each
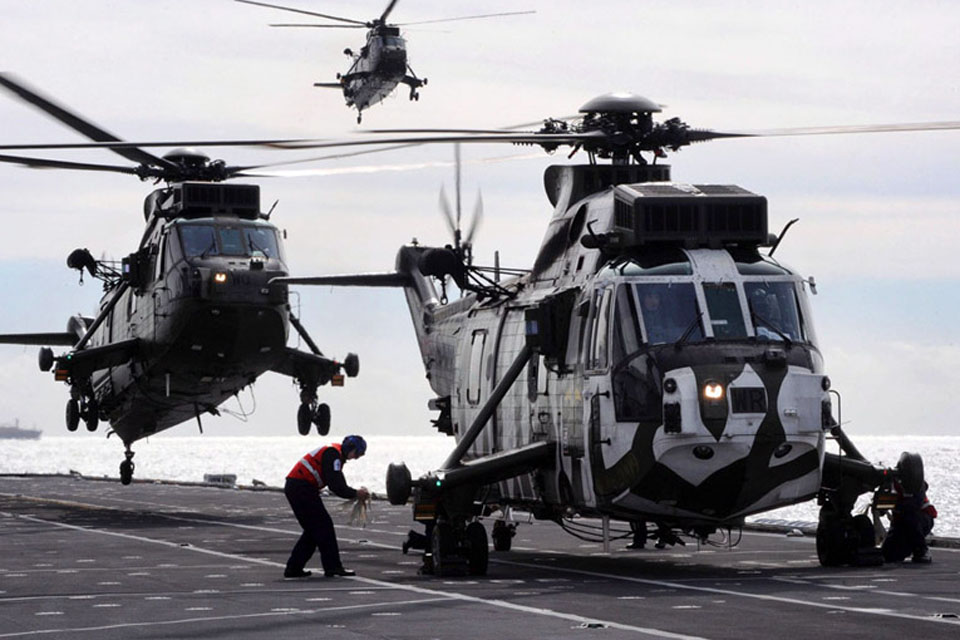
<point>656,365</point>
<point>381,63</point>
<point>191,317</point>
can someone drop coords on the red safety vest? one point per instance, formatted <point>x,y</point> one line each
<point>309,467</point>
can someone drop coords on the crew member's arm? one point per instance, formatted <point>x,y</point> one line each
<point>333,474</point>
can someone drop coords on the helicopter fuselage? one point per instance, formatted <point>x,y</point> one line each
<point>689,390</point>
<point>207,327</point>
<point>191,320</point>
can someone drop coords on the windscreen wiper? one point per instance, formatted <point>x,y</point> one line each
<point>213,246</point>
<point>754,316</point>
<point>686,334</point>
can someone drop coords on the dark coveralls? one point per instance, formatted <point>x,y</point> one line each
<point>912,521</point>
<point>303,493</point>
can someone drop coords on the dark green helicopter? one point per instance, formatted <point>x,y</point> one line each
<point>191,317</point>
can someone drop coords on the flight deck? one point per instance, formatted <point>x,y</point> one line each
<point>83,558</point>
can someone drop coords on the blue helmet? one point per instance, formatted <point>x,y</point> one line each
<point>354,443</point>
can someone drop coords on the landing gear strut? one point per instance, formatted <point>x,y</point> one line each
<point>843,538</point>
<point>126,467</point>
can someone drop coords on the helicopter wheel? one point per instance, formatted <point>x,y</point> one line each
<point>503,535</point>
<point>73,415</point>
<point>322,418</point>
<point>478,552</point>
<point>91,416</point>
<point>126,472</point>
<point>126,467</point>
<point>446,562</point>
<point>304,419</point>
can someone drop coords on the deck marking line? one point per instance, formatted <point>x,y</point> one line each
<point>268,614</point>
<point>503,604</point>
<point>727,592</point>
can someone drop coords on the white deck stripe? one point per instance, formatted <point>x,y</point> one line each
<point>729,592</point>
<point>242,616</point>
<point>503,604</point>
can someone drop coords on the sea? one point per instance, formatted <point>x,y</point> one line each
<point>268,459</point>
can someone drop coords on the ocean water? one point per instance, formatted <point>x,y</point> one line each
<point>268,459</point>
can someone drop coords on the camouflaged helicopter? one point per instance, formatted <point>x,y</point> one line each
<point>381,64</point>
<point>191,317</point>
<point>657,365</point>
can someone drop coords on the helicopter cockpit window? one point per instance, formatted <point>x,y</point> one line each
<point>198,240</point>
<point>723,305</point>
<point>636,380</point>
<point>669,312</point>
<point>598,350</point>
<point>261,241</point>
<point>232,242</point>
<point>774,310</point>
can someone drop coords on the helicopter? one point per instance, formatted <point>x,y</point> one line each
<point>191,317</point>
<point>656,365</point>
<point>381,64</point>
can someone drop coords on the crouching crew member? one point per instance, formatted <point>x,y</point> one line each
<point>910,522</point>
<point>320,468</point>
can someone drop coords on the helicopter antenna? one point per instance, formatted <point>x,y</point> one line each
<point>782,234</point>
<point>272,207</point>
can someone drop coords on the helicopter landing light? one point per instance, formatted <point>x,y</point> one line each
<point>702,452</point>
<point>220,277</point>
<point>197,347</point>
<point>782,450</point>
<point>713,391</point>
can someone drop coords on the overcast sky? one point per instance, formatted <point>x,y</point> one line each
<point>879,214</point>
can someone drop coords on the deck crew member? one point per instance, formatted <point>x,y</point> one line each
<point>320,468</point>
<point>911,521</point>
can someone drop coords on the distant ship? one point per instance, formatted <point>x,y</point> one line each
<point>14,432</point>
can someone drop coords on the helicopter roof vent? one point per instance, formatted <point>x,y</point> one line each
<point>690,215</point>
<point>205,199</point>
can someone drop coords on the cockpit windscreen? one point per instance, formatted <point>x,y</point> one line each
<point>773,309</point>
<point>669,312</point>
<point>202,240</point>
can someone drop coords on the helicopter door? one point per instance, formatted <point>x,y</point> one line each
<point>598,405</point>
<point>541,418</point>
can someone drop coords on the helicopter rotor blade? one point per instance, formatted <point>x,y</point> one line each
<point>386,12</point>
<point>79,124</point>
<point>457,180</point>
<point>477,17</point>
<point>476,221</point>
<point>447,212</point>
<point>831,130</point>
<point>320,26</point>
<point>44,163</point>
<point>378,168</point>
<point>322,143</point>
<point>304,12</point>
